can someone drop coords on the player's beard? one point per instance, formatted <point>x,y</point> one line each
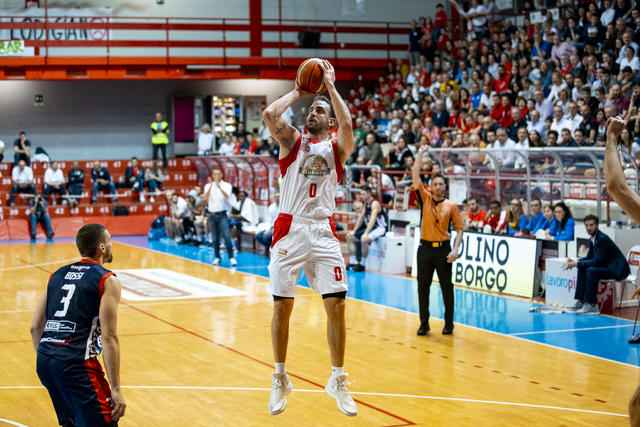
<point>315,126</point>
<point>108,256</point>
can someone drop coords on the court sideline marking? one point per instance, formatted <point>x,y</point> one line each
<point>357,393</point>
<point>464,325</point>
<point>12,423</point>
<point>559,331</point>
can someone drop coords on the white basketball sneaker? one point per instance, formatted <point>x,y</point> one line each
<point>337,388</point>
<point>280,388</point>
<point>216,261</point>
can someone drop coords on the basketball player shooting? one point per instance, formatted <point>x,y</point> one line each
<point>311,164</point>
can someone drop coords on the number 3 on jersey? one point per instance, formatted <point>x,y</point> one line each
<point>313,188</point>
<point>66,300</point>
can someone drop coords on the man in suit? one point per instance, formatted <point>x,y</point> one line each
<point>604,261</point>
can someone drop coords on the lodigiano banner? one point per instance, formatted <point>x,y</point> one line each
<point>94,15</point>
<point>497,263</point>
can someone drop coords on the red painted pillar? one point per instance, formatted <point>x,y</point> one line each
<point>255,27</point>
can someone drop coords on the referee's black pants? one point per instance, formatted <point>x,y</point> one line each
<point>432,259</point>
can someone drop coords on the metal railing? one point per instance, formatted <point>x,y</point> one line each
<point>546,173</point>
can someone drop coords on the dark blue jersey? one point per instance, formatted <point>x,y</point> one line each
<point>72,328</point>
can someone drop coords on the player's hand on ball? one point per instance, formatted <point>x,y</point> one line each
<point>616,125</point>
<point>329,74</point>
<point>118,404</point>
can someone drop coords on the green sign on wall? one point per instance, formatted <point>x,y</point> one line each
<point>11,47</point>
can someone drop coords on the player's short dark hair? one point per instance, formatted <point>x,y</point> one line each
<point>439,175</point>
<point>324,99</point>
<point>88,238</point>
<point>593,218</point>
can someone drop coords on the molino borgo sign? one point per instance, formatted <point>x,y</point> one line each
<point>497,264</point>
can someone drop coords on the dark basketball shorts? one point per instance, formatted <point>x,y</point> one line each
<point>79,391</point>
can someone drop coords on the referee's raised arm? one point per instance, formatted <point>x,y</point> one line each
<point>415,175</point>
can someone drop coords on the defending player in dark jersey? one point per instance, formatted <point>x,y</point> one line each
<point>74,322</point>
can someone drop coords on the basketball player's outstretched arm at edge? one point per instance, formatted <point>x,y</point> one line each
<point>343,115</point>
<point>614,174</point>
<point>282,131</point>
<point>111,354</point>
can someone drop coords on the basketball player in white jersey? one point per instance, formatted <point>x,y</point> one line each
<point>311,164</point>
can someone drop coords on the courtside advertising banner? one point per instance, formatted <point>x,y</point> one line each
<point>497,264</point>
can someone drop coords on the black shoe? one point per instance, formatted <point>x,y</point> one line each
<point>423,329</point>
<point>358,267</point>
<point>447,330</point>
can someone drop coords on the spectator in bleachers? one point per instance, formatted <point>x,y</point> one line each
<point>398,154</point>
<point>154,177</point>
<point>22,181</point>
<point>218,195</point>
<point>75,184</point>
<point>206,140</point>
<point>38,214</point>
<point>178,211</point>
<point>495,222</point>
<point>22,149</point>
<point>193,222</point>
<point>547,211</point>
<point>101,181</point>
<point>264,231</point>
<point>563,226</point>
<point>54,182</point>
<point>372,224</point>
<point>475,216</point>
<point>227,147</point>
<point>517,220</point>
<point>160,138</point>
<point>134,178</point>
<point>415,47</point>
<point>244,215</point>
<point>506,147</point>
<point>537,220</point>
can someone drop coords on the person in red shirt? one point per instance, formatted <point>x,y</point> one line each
<point>441,17</point>
<point>495,221</point>
<point>475,217</point>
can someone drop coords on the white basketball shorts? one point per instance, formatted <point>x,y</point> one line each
<point>309,244</point>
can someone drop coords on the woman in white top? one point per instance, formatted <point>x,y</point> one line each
<point>630,59</point>
<point>206,140</point>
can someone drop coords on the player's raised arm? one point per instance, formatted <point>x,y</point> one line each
<point>343,116</point>
<point>616,182</point>
<point>109,324</point>
<point>282,131</point>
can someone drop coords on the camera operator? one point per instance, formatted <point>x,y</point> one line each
<point>38,214</point>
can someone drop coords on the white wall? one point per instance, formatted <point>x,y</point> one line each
<point>173,8</point>
<point>361,10</point>
<point>357,10</point>
<point>104,119</point>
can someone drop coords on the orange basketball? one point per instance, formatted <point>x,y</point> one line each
<point>309,76</point>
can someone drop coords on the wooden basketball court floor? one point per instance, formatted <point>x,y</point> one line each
<point>207,361</point>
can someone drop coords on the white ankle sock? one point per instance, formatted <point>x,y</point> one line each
<point>280,368</point>
<point>335,371</point>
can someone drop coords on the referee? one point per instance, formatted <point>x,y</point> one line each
<point>435,253</point>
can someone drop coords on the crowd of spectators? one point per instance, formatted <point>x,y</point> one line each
<point>551,222</point>
<point>508,84</point>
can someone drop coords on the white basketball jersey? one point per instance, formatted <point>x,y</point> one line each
<point>310,175</point>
